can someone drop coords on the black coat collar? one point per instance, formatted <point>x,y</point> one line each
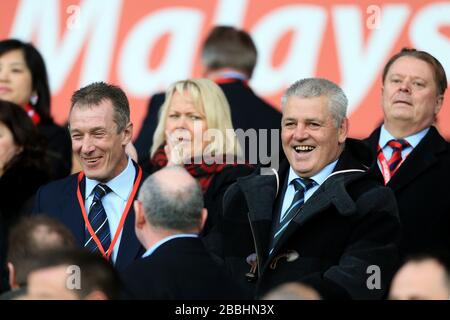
<point>263,191</point>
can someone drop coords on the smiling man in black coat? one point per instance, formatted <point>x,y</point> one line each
<point>321,219</point>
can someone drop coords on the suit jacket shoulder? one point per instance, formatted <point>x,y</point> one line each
<point>248,110</point>
<point>179,269</point>
<point>144,139</point>
<point>422,192</point>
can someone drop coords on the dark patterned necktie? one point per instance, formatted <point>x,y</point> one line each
<point>98,220</point>
<point>301,185</point>
<point>396,158</point>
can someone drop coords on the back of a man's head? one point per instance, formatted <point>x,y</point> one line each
<point>228,47</point>
<point>30,238</point>
<point>73,273</point>
<point>172,199</point>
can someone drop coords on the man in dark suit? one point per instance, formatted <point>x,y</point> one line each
<point>413,158</point>
<point>176,265</point>
<point>228,58</point>
<point>96,204</point>
<point>322,219</point>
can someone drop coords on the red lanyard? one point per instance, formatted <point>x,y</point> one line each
<point>122,219</point>
<point>387,174</point>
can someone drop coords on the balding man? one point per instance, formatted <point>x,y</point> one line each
<point>176,265</point>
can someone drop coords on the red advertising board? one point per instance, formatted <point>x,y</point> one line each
<point>143,46</point>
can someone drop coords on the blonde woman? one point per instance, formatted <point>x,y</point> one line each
<point>195,130</point>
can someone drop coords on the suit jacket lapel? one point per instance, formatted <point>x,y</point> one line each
<point>331,193</point>
<point>373,139</point>
<point>415,164</point>
<point>303,214</point>
<point>260,205</point>
<point>129,247</point>
<point>372,143</point>
<point>71,212</point>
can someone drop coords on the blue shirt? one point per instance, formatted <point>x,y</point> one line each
<point>232,75</point>
<point>413,141</point>
<point>115,201</point>
<point>319,178</point>
<point>166,239</point>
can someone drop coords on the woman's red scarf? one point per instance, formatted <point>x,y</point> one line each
<point>32,114</point>
<point>202,172</point>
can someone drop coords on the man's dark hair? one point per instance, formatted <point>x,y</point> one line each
<point>438,70</point>
<point>95,272</point>
<point>26,243</point>
<point>228,47</point>
<point>97,92</point>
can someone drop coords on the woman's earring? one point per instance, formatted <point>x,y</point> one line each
<point>34,99</point>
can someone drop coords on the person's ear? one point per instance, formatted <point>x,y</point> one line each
<point>203,217</point>
<point>139,214</point>
<point>439,102</point>
<point>12,279</point>
<point>343,131</point>
<point>127,134</point>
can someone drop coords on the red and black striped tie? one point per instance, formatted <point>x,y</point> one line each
<point>397,148</point>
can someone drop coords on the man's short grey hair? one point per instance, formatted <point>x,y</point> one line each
<point>176,209</point>
<point>318,87</point>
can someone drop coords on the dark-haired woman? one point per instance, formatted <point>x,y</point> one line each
<point>23,81</point>
<point>23,163</point>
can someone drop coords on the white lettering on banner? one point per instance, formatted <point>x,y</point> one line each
<point>92,26</point>
<point>184,26</point>
<point>424,32</point>
<point>99,23</point>
<point>308,24</point>
<point>230,13</point>
<point>360,63</point>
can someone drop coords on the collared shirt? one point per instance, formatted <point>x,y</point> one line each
<point>230,74</point>
<point>413,141</point>
<point>166,239</point>
<point>115,201</point>
<point>319,178</point>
